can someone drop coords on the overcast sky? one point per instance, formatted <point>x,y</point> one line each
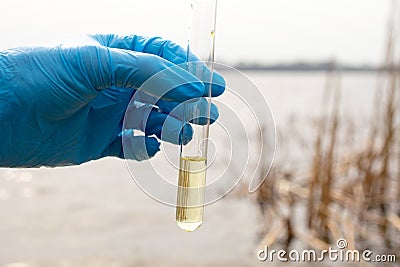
<point>264,31</point>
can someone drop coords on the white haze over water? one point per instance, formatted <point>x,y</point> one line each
<point>264,31</point>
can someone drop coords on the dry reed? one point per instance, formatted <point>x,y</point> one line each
<point>352,194</point>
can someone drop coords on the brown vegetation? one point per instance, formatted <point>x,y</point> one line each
<point>347,191</point>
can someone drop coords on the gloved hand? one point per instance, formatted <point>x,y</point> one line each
<point>65,105</point>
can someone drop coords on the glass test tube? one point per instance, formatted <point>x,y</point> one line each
<point>193,155</point>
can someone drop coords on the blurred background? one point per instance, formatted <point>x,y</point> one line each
<point>329,70</point>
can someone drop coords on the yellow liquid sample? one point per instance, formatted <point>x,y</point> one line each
<point>190,200</point>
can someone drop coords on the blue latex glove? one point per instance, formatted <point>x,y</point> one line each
<point>65,105</point>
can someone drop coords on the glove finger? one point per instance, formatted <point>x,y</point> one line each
<point>168,128</point>
<point>154,45</point>
<point>167,50</point>
<point>218,84</point>
<point>203,73</point>
<point>194,112</point>
<point>175,109</point>
<point>154,75</point>
<point>139,147</point>
<point>151,121</point>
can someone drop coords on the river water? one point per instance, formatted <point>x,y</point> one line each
<point>95,215</point>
